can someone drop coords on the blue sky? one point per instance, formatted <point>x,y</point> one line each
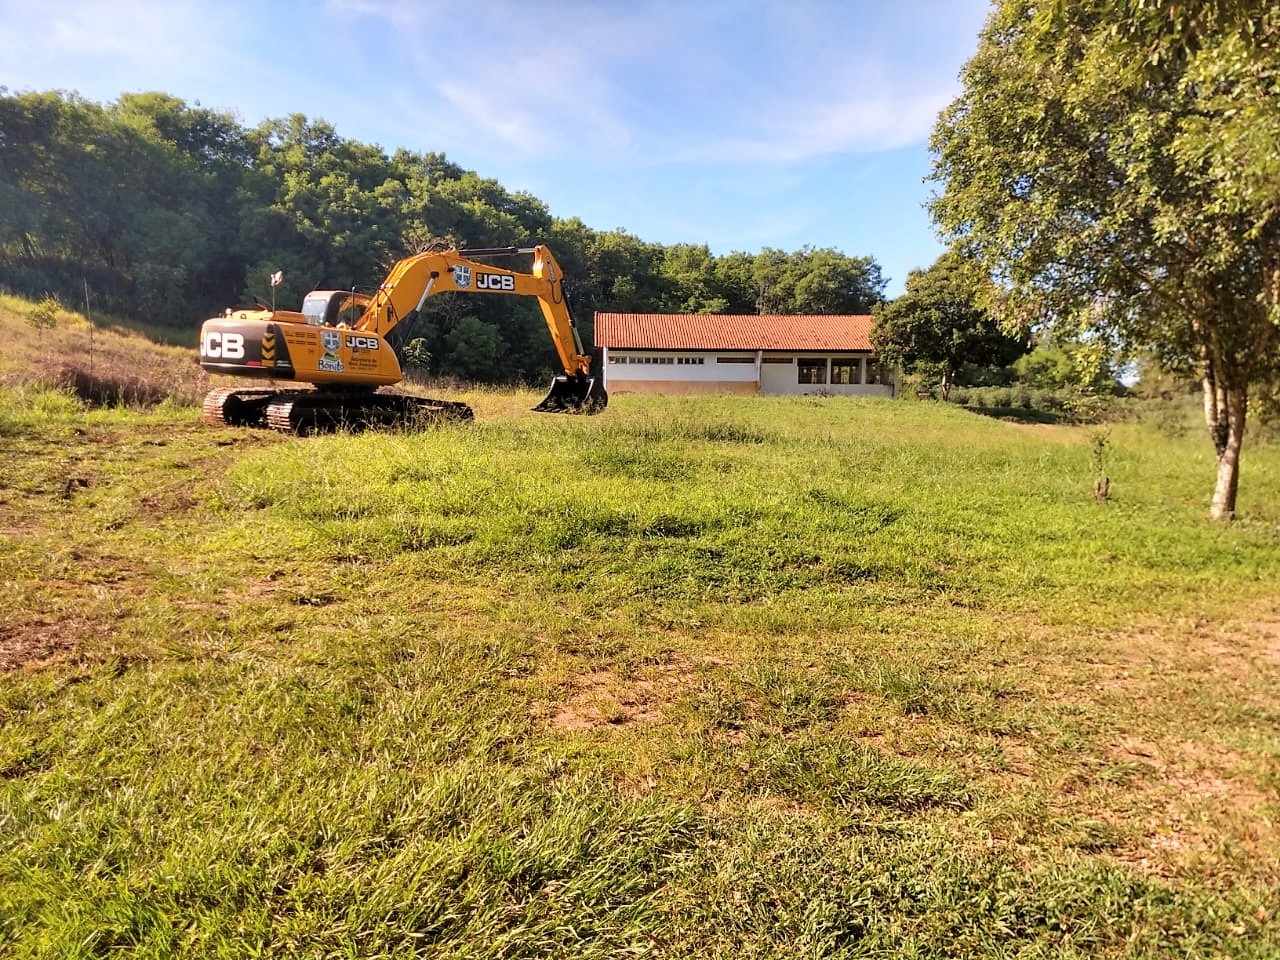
<point>736,123</point>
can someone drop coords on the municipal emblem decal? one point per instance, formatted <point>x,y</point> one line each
<point>331,340</point>
<point>462,276</point>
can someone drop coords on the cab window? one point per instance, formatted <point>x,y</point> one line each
<point>314,307</point>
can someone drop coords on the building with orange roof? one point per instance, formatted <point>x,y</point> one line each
<point>682,353</point>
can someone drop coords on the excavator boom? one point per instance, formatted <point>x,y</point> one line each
<point>412,281</point>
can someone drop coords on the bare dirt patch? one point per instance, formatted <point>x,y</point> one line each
<point>38,642</point>
<point>1269,634</point>
<point>603,698</point>
<point>1187,803</point>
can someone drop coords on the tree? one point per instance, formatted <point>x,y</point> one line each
<point>690,269</point>
<point>936,327</point>
<point>473,349</point>
<point>816,281</point>
<point>1057,364</point>
<point>44,316</point>
<point>1113,166</point>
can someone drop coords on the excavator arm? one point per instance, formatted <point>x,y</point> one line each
<point>400,299</point>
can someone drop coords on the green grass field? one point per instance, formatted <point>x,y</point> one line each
<point>692,678</point>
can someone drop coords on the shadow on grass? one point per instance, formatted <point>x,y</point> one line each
<point>1019,414</point>
<point>185,336</point>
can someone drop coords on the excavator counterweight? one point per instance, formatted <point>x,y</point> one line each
<point>348,345</point>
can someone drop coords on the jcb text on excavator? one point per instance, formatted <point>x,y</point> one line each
<point>348,345</point>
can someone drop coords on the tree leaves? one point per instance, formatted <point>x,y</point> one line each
<point>1112,166</point>
<point>936,326</point>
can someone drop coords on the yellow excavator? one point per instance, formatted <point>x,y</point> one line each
<point>348,345</point>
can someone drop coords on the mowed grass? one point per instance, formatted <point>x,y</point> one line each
<point>692,678</point>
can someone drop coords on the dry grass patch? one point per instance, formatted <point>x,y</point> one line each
<point>103,364</point>
<point>1164,747</point>
<point>605,698</point>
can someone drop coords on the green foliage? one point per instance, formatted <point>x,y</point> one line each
<point>44,315</point>
<point>815,281</point>
<point>1049,366</point>
<point>1104,164</point>
<point>936,327</point>
<point>473,348</point>
<point>133,197</point>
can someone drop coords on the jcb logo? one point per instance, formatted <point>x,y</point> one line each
<point>228,346</point>
<point>495,281</point>
<point>362,343</point>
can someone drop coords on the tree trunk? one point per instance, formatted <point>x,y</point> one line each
<point>1224,413</point>
<point>946,385</point>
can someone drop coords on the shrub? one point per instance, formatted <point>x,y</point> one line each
<point>1088,407</point>
<point>44,315</point>
<point>1049,401</point>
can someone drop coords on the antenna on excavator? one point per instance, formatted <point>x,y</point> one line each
<point>275,282</point>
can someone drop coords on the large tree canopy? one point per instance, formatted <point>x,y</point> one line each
<point>936,326</point>
<point>1113,166</point>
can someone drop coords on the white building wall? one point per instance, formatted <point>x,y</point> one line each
<point>622,367</point>
<point>727,371</point>
<point>778,377</point>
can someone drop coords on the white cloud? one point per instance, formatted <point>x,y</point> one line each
<point>665,82</point>
<point>106,47</point>
<point>866,122</point>
<point>508,77</point>
<point>120,28</point>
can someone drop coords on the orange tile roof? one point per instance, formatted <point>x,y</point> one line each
<point>716,331</point>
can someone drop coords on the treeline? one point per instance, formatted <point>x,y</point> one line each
<point>171,212</point>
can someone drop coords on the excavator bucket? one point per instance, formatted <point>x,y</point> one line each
<point>574,395</point>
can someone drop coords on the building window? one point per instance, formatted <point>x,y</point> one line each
<point>735,359</point>
<point>875,372</point>
<point>846,371</point>
<point>812,371</point>
<point>690,360</point>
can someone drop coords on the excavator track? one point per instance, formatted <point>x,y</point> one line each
<point>319,412</point>
<point>305,412</point>
<point>238,407</point>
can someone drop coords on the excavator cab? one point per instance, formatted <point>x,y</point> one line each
<point>333,308</point>
<point>578,394</point>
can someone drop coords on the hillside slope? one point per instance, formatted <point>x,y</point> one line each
<point>105,362</point>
